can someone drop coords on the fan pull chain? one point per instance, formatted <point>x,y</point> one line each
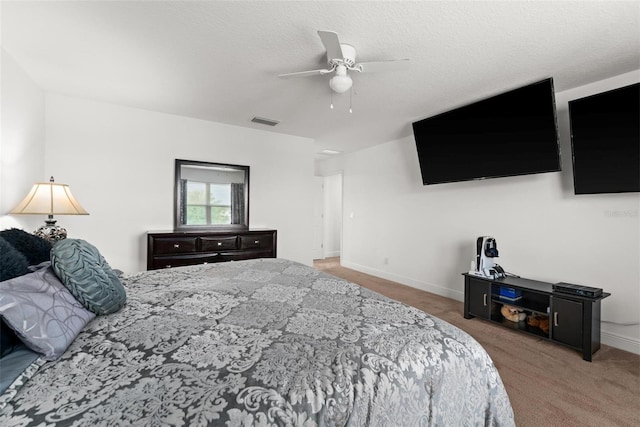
<point>331,106</point>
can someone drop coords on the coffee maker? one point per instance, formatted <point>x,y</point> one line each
<point>486,251</point>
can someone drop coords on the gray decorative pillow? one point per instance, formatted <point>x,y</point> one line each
<point>88,276</point>
<point>42,312</point>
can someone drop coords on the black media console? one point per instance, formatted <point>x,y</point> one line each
<point>574,320</point>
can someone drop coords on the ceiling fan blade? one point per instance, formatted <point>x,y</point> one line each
<point>304,74</point>
<point>331,43</point>
<point>376,66</point>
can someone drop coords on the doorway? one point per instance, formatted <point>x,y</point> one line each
<point>328,217</point>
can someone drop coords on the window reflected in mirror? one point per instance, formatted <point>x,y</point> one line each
<point>211,195</point>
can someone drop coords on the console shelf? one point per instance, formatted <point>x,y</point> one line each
<point>522,327</point>
<point>574,320</point>
<point>524,303</point>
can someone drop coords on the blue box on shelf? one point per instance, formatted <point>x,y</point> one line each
<point>512,293</point>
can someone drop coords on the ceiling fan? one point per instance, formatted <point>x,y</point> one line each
<point>341,58</point>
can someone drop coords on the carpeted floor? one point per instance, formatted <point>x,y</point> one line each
<point>548,384</point>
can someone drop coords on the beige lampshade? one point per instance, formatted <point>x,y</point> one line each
<point>49,198</point>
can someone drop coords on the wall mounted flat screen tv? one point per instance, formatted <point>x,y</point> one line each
<point>605,141</point>
<point>513,133</point>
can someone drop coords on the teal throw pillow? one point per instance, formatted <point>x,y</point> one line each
<point>88,276</point>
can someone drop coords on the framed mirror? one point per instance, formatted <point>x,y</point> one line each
<point>211,196</point>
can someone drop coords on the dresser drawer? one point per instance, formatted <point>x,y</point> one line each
<point>248,254</point>
<point>256,241</point>
<point>210,244</point>
<point>174,245</point>
<point>178,260</point>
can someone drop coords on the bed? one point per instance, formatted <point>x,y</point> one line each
<point>260,342</point>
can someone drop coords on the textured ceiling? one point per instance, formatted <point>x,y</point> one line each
<point>219,60</point>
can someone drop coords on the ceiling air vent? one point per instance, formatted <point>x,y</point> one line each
<point>263,121</point>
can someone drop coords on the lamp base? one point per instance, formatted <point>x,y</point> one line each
<point>51,232</point>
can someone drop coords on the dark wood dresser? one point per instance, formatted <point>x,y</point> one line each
<point>174,248</point>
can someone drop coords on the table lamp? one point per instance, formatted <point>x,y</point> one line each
<point>50,198</point>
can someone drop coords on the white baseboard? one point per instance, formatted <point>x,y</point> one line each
<point>623,343</point>
<point>607,338</point>
<point>331,254</point>
<point>428,287</point>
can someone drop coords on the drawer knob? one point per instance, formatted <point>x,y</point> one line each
<point>219,243</point>
<point>176,245</point>
<point>256,241</point>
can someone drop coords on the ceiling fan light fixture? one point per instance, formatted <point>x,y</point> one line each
<point>340,84</point>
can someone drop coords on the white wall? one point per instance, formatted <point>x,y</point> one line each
<point>22,142</point>
<point>544,231</point>
<point>119,163</point>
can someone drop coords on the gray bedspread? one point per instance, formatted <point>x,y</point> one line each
<point>263,342</point>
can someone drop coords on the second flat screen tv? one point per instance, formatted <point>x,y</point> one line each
<point>514,133</point>
<point>605,140</point>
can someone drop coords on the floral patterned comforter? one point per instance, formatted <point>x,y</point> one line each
<point>263,342</point>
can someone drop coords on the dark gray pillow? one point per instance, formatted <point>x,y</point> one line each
<point>88,276</point>
<point>9,341</point>
<point>34,248</point>
<point>42,312</point>
<point>12,262</point>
